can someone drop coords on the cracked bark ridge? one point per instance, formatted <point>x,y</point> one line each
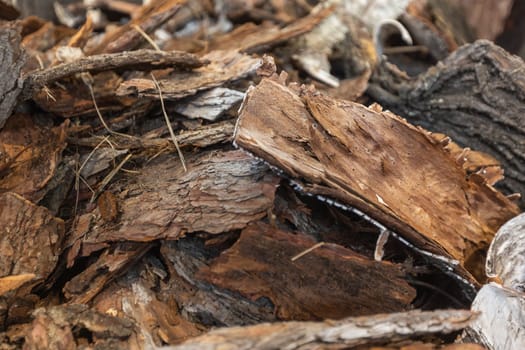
<point>221,191</point>
<point>476,96</point>
<point>329,282</point>
<point>12,59</point>
<point>401,176</point>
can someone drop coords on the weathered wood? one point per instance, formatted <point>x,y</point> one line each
<point>224,66</point>
<point>506,255</point>
<point>328,282</point>
<point>112,262</point>
<point>207,135</point>
<point>476,96</point>
<point>365,331</point>
<point>12,60</point>
<point>130,60</point>
<point>401,176</point>
<point>500,323</point>
<point>221,191</point>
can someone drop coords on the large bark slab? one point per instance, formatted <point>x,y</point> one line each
<point>476,96</point>
<point>401,177</point>
<point>328,282</point>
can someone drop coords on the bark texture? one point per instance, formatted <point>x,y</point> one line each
<point>476,96</point>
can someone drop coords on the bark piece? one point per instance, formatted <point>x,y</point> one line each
<point>142,296</point>
<point>127,38</point>
<point>365,331</point>
<point>476,96</point>
<point>207,135</point>
<point>111,263</point>
<point>395,173</point>
<point>134,60</point>
<point>506,255</point>
<point>221,191</point>
<point>328,282</point>
<point>224,66</point>
<point>252,38</point>
<point>30,238</point>
<point>10,283</point>
<point>200,301</point>
<point>71,326</point>
<point>29,156</point>
<point>11,63</point>
<point>500,323</point>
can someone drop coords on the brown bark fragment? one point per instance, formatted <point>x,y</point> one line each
<point>224,66</point>
<point>328,282</point>
<point>221,191</point>
<point>127,38</point>
<point>71,326</point>
<point>112,262</point>
<point>476,96</point>
<point>376,162</point>
<point>30,237</point>
<point>207,135</point>
<point>29,156</point>
<point>252,38</point>
<point>365,331</point>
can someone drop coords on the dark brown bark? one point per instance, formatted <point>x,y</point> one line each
<point>476,96</point>
<point>328,282</point>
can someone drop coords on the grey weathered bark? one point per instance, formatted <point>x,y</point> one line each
<point>11,62</point>
<point>363,331</point>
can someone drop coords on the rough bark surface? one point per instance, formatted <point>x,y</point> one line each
<point>30,237</point>
<point>476,96</point>
<point>399,175</point>
<point>350,332</point>
<point>224,66</point>
<point>221,191</point>
<point>259,265</point>
<point>12,60</point>
<point>133,60</point>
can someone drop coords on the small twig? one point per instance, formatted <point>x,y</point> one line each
<point>304,252</point>
<point>168,123</point>
<point>147,37</point>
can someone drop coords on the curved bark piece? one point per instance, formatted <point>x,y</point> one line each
<point>400,177</point>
